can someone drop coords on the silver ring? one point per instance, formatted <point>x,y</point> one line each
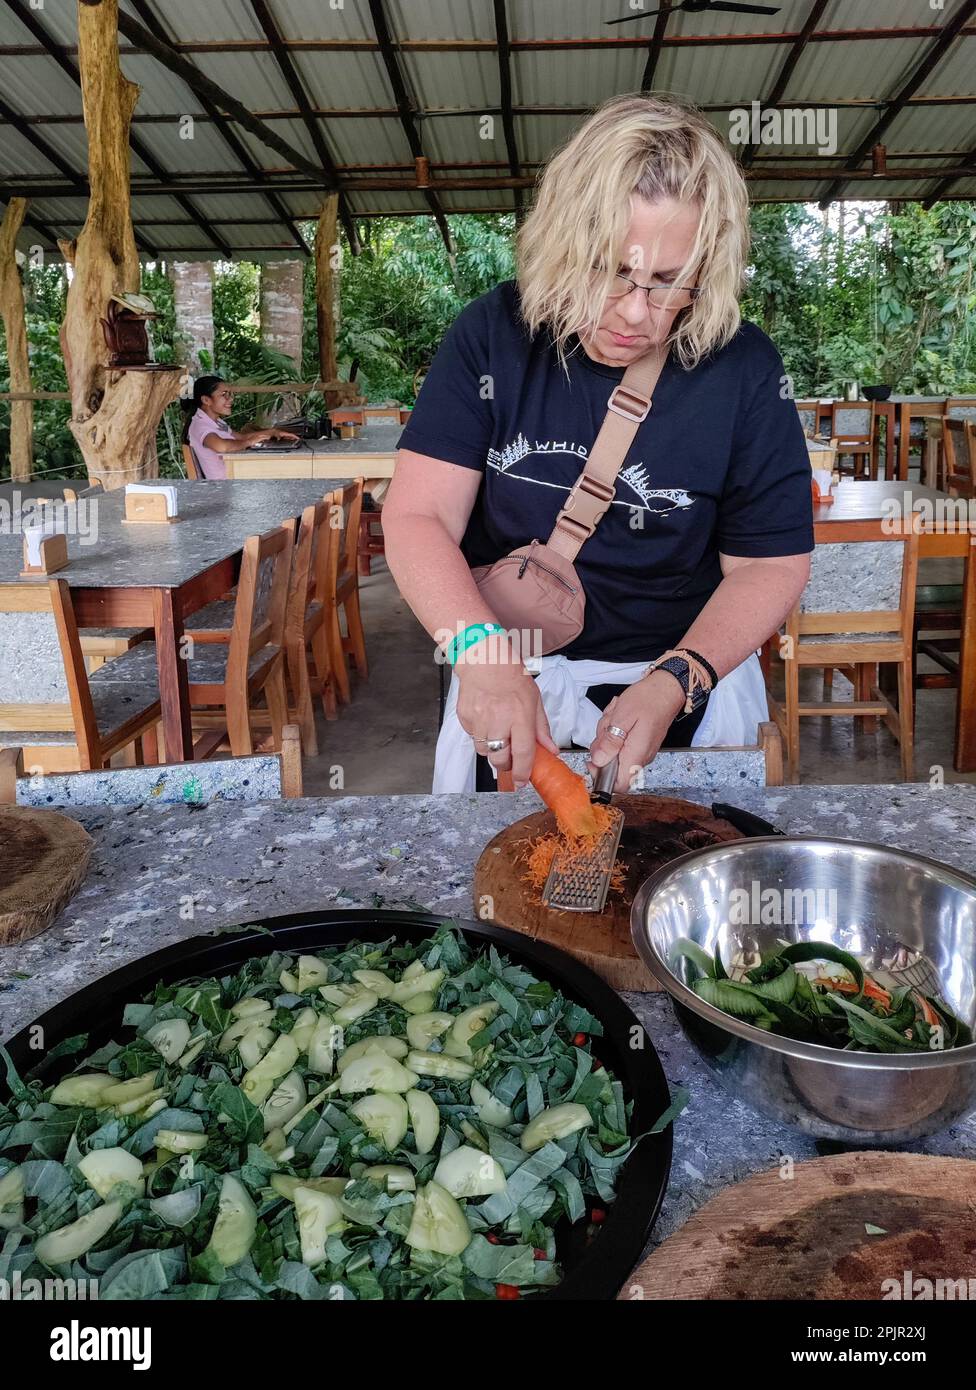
<point>495,745</point>
<point>617,732</point>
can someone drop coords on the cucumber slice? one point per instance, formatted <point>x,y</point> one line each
<point>380,984</point>
<point>336,994</point>
<point>285,1101</point>
<point>423,1028</point>
<point>304,1028</point>
<point>415,968</point>
<point>425,1120</point>
<point>180,1141</point>
<point>139,1104</point>
<point>275,1143</point>
<point>317,1214</point>
<point>289,981</point>
<point>312,972</point>
<point>193,1052</point>
<point>437,1064</point>
<point>236,1224</point>
<point>153,1109</point>
<point>420,1003</point>
<point>467,1172</point>
<point>249,1006</point>
<point>438,1223</point>
<point>393,1047</point>
<point>474,1136</point>
<point>285,1185</point>
<point>424,982</point>
<point>392,1177</point>
<point>11,1199</point>
<point>258,1083</point>
<point>472,1021</point>
<point>254,1044</point>
<point>71,1242</point>
<point>322,1045</point>
<point>85,1091</point>
<point>169,1038</point>
<point>130,1090</point>
<point>375,1071</point>
<point>554,1123</point>
<point>361,1003</point>
<point>102,1169</point>
<point>232,1035</point>
<point>384,1117</point>
<point>491,1111</point>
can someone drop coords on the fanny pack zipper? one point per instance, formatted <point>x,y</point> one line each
<point>527,559</point>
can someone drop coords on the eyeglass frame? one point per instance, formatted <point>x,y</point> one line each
<point>693,290</point>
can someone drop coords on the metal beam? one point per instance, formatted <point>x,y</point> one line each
<point>789,67</point>
<point>405,110</point>
<point>655,46</point>
<point>505,93</point>
<point>937,51</point>
<point>289,72</point>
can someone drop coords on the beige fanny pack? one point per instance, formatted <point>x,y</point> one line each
<point>536,587</point>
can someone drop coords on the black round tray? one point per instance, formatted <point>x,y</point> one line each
<point>594,1270</point>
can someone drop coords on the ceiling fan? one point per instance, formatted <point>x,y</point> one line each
<point>700,7</point>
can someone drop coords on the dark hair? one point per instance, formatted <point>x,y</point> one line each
<point>203,386</point>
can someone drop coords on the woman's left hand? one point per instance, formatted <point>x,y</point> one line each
<point>643,712</point>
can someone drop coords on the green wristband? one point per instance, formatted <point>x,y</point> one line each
<point>474,632</point>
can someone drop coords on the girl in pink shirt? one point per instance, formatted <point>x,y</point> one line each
<point>208,433</point>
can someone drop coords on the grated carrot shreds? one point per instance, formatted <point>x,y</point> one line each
<point>540,852</point>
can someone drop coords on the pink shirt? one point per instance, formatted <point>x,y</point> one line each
<point>211,463</point>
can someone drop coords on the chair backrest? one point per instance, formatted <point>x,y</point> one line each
<point>47,690</point>
<point>714,769</point>
<point>193,469</point>
<point>860,586</point>
<point>312,528</point>
<point>959,444</point>
<point>961,410</point>
<point>851,420</point>
<point>263,777</point>
<point>327,549</point>
<point>262,595</point>
<point>809,413</point>
<point>350,499</point>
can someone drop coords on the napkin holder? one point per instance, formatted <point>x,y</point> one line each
<point>54,556</point>
<point>147,507</point>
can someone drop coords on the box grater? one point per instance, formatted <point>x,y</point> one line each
<point>582,886</point>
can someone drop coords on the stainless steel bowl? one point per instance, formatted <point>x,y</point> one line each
<point>880,904</point>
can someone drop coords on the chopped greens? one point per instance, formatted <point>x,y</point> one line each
<point>813,991</point>
<point>376,1121</point>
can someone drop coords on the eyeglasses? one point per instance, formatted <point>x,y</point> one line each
<point>661,295</point>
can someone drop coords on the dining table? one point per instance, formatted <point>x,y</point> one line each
<point>372,455</point>
<point>126,574</point>
<point>947,530</point>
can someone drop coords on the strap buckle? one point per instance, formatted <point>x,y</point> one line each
<point>624,400</point>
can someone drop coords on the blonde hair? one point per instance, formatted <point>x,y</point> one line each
<point>570,243</point>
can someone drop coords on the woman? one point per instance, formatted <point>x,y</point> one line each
<point>637,240</point>
<point>208,433</point>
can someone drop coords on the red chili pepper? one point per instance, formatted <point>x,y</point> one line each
<point>492,1239</point>
<point>579,1040</point>
<point>597,1215</point>
<point>506,1291</point>
<point>538,1254</point>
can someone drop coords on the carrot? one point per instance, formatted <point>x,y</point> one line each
<point>565,793</point>
<point>928,1013</point>
<point>872,989</point>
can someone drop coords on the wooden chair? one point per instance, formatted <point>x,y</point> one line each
<point>809,413</point>
<point>69,720</point>
<point>854,434</point>
<point>344,596</point>
<point>371,540</point>
<point>715,769</point>
<point>959,447</point>
<point>193,470</point>
<point>263,777</point>
<point>825,630</point>
<point>226,674</point>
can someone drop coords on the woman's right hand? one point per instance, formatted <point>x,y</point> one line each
<point>500,700</point>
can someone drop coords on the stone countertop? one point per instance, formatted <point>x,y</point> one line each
<point>215,520</point>
<point>376,437</point>
<point>241,862</point>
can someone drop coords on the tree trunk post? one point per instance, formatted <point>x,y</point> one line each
<point>282,309</point>
<point>327,263</point>
<point>15,326</point>
<point>193,301</point>
<point>114,413</point>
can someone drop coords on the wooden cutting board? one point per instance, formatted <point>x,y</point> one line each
<point>600,940</point>
<point>809,1236</point>
<point>43,859</point>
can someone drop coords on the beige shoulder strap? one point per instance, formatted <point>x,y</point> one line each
<point>593,491</point>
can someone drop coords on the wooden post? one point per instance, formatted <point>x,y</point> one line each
<point>193,303</point>
<point>114,414</point>
<point>281,308</point>
<point>327,292</point>
<point>15,326</point>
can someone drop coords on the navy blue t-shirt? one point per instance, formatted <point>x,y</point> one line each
<point>719,465</point>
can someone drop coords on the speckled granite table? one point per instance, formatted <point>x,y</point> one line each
<point>241,862</point>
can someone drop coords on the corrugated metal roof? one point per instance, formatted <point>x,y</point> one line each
<point>719,60</point>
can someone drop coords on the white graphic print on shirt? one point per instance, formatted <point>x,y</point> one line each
<point>635,476</point>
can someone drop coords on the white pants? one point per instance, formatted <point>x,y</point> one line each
<point>736,708</point>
